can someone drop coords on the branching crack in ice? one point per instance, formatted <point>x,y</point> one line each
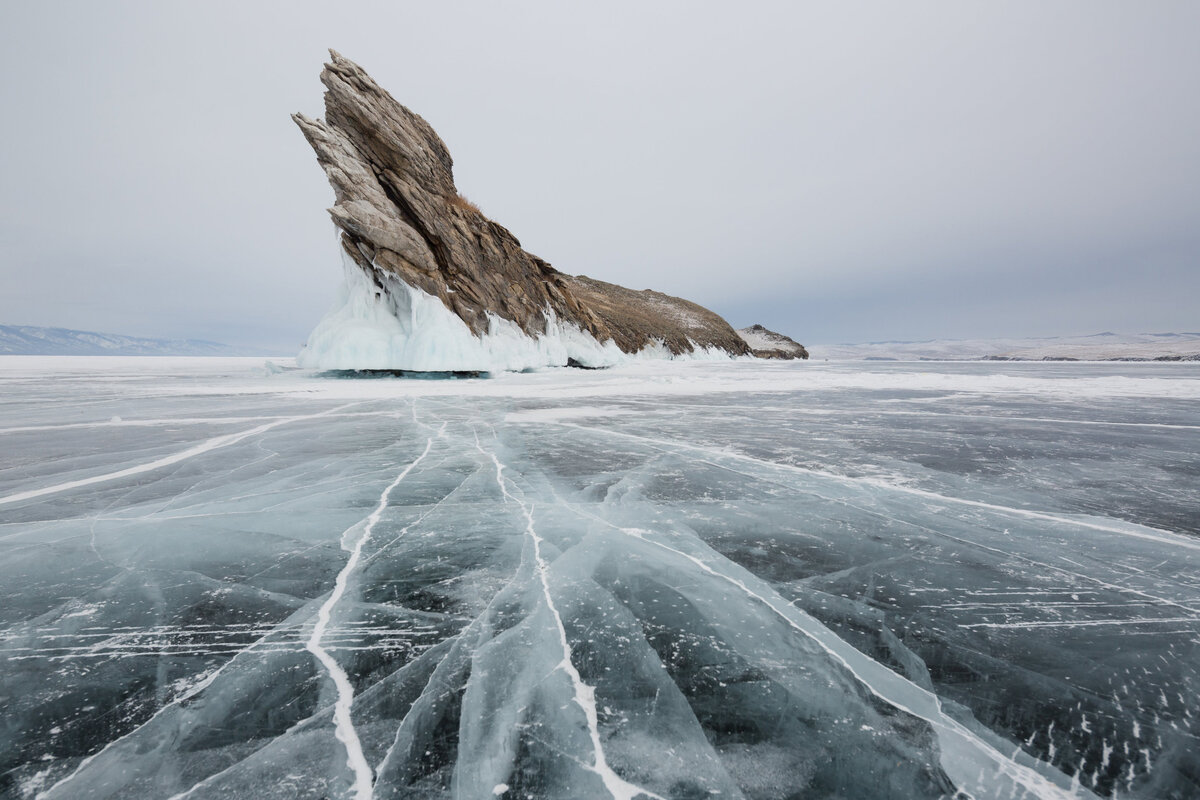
<point>1130,529</point>
<point>217,776</point>
<point>887,685</point>
<point>343,724</point>
<point>585,695</point>
<point>1042,565</point>
<point>204,447</point>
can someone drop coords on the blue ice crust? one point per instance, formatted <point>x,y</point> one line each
<point>737,558</point>
<point>404,328</point>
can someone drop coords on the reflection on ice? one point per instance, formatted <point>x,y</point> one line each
<point>359,374</point>
<point>740,580</point>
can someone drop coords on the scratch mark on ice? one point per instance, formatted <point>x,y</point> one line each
<point>1082,623</point>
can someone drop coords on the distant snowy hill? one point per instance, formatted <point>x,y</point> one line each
<point>29,340</point>
<point>1097,347</point>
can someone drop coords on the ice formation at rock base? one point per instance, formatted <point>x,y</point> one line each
<point>385,324</point>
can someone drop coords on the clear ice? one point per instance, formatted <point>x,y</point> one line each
<point>229,579</point>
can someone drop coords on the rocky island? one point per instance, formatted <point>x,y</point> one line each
<point>434,285</point>
<point>764,343</point>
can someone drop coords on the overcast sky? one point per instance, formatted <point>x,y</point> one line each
<point>841,171</point>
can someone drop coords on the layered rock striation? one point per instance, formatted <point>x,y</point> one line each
<point>421,260</point>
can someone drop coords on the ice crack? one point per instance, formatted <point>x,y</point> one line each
<point>343,723</point>
<point>204,447</point>
<point>585,695</point>
<point>1127,529</point>
<point>886,685</point>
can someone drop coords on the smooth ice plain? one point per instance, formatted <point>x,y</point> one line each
<point>226,578</point>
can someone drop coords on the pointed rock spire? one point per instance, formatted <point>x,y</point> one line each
<point>401,217</point>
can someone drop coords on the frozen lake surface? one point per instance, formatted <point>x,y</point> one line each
<point>221,578</point>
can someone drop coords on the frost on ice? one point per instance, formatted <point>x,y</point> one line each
<point>673,580</point>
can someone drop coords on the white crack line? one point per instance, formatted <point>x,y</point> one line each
<point>888,684</point>
<point>1147,532</point>
<point>159,422</point>
<point>585,695</point>
<point>204,447</point>
<point>343,724</point>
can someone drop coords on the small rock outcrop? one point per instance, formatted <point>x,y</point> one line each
<point>764,343</point>
<point>402,219</point>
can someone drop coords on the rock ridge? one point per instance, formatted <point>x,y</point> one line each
<point>401,218</point>
<point>765,343</point>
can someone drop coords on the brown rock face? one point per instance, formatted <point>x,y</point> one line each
<point>765,343</point>
<point>400,214</point>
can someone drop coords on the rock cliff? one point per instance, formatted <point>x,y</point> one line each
<point>764,343</point>
<point>405,226</point>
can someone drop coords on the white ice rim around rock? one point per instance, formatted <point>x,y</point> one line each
<point>401,327</point>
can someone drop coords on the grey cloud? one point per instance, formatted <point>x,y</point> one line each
<point>835,170</point>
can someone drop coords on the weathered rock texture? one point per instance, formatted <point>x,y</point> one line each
<point>764,343</point>
<point>400,213</point>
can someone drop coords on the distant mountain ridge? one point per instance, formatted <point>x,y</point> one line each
<point>1105,346</point>
<point>31,340</point>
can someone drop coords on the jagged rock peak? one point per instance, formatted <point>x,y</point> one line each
<point>403,222</point>
<point>765,343</point>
